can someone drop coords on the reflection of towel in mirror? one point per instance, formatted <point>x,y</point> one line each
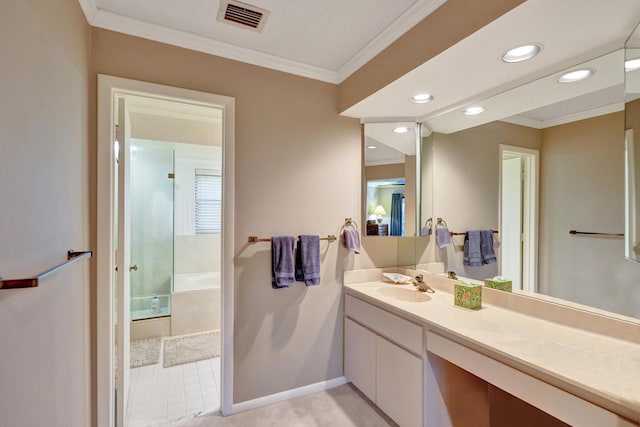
<point>486,247</point>
<point>472,253</point>
<point>351,240</point>
<point>443,237</point>
<point>308,260</point>
<point>282,263</point>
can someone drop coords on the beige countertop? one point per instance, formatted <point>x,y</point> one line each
<point>595,367</point>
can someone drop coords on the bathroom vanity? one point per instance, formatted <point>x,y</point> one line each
<point>426,362</point>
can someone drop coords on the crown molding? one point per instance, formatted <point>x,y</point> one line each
<point>412,17</point>
<point>583,115</point>
<point>115,22</point>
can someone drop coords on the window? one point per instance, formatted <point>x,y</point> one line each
<point>208,201</point>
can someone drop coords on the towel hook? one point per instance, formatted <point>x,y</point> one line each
<point>351,222</point>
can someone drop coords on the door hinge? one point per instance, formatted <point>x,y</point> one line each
<point>171,175</point>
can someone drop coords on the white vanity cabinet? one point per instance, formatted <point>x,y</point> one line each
<point>383,357</point>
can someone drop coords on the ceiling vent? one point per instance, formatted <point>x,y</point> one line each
<point>242,15</point>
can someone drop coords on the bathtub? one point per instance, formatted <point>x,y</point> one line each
<point>196,303</point>
<point>185,282</point>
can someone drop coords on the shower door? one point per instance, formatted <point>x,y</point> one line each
<point>152,228</point>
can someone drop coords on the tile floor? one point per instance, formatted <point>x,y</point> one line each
<point>158,395</point>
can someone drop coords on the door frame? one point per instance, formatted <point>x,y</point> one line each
<point>530,197</point>
<point>108,86</point>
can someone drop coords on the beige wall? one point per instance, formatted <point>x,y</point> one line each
<point>466,168</point>
<point>582,188</point>
<point>45,374</point>
<point>297,172</point>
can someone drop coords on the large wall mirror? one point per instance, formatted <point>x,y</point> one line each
<point>632,141</point>
<point>391,151</point>
<point>544,168</point>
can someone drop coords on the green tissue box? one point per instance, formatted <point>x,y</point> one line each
<point>503,285</point>
<point>467,295</point>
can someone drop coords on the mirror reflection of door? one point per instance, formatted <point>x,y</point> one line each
<point>518,215</point>
<point>389,162</point>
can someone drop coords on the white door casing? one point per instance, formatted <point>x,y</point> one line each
<point>108,88</point>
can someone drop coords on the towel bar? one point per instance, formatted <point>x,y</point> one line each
<point>32,282</point>
<point>255,239</point>
<point>453,233</point>
<point>591,233</point>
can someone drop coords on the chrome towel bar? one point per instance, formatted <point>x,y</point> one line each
<point>32,282</point>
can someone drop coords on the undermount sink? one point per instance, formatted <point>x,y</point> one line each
<point>404,294</point>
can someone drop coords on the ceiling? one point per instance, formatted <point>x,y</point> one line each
<point>570,32</point>
<point>331,39</point>
<point>325,40</point>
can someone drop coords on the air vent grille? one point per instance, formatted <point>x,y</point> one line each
<point>242,14</point>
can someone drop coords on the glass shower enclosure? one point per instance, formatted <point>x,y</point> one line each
<point>152,228</point>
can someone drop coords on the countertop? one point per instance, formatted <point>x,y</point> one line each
<point>597,368</point>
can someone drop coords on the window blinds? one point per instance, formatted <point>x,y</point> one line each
<point>208,190</point>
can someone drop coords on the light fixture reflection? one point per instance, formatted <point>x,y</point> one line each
<point>401,129</point>
<point>472,111</point>
<point>421,98</point>
<point>575,76</point>
<point>521,53</point>
<point>632,65</point>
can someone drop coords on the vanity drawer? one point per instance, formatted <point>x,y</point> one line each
<point>401,331</point>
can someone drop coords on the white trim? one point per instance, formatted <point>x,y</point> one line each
<point>582,115</point>
<point>288,394</point>
<point>101,18</point>
<point>107,86</point>
<point>89,8</point>
<point>104,259</point>
<point>412,17</point>
<point>552,400</point>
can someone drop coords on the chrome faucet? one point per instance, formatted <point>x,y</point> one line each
<point>422,286</point>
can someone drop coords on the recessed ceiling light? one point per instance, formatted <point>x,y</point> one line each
<point>632,65</point>
<point>401,129</point>
<point>521,53</point>
<point>472,111</point>
<point>575,76</point>
<point>371,147</point>
<point>421,98</point>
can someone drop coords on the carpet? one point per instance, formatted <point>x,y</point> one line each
<point>191,348</point>
<point>144,352</point>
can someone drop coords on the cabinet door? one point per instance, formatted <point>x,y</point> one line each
<point>399,384</point>
<point>360,357</point>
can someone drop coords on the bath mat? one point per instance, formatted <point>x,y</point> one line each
<point>191,348</point>
<point>144,352</point>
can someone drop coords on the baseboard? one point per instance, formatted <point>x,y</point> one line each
<point>286,395</point>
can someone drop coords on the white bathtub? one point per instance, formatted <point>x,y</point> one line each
<point>185,282</point>
<point>195,303</point>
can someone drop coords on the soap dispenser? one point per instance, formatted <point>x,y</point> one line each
<point>155,304</point>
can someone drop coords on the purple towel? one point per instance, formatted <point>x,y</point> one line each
<point>282,263</point>
<point>443,237</point>
<point>472,252</point>
<point>351,240</point>
<point>486,247</point>
<point>308,260</point>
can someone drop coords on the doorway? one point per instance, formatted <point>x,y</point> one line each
<point>165,204</point>
<point>519,216</point>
